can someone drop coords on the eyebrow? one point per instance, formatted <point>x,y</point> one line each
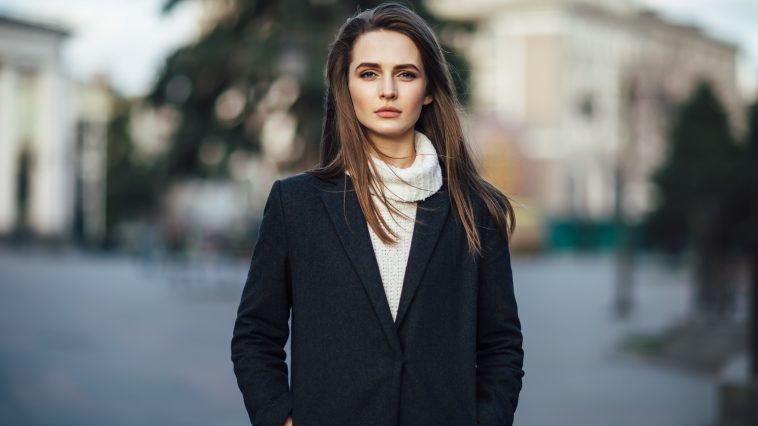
<point>396,67</point>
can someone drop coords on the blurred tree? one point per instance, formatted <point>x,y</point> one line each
<point>257,74</point>
<point>702,173</point>
<point>133,186</point>
<point>739,217</point>
<point>752,248</point>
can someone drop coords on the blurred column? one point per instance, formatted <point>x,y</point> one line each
<point>8,148</point>
<point>51,191</point>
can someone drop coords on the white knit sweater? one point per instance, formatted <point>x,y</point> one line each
<point>403,189</point>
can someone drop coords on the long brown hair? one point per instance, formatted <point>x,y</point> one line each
<point>345,146</point>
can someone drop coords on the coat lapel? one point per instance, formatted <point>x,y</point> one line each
<point>431,216</point>
<point>347,217</point>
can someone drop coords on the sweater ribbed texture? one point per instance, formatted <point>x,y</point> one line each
<point>403,188</point>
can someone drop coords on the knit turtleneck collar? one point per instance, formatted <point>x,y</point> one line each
<point>417,182</point>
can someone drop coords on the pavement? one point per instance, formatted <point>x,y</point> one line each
<point>93,339</point>
<point>575,372</point>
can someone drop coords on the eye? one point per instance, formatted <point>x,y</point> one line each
<point>408,75</point>
<point>368,74</point>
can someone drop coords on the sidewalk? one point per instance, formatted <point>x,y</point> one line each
<point>575,374</point>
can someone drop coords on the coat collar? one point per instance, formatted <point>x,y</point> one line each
<point>350,224</point>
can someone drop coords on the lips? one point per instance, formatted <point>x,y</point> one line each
<point>387,112</point>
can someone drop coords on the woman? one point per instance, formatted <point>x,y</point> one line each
<point>392,256</point>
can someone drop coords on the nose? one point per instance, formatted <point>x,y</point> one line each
<point>388,89</point>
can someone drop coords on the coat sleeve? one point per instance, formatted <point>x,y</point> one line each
<point>499,356</point>
<point>261,329</point>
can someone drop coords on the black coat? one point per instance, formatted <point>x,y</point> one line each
<point>452,357</point>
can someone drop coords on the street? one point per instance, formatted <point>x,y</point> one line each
<point>90,339</point>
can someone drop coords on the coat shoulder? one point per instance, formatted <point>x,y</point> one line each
<point>304,181</point>
<point>304,188</point>
<point>481,211</point>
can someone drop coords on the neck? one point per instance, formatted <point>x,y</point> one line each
<point>399,152</point>
<point>416,182</point>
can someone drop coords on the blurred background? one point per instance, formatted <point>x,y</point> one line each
<point>139,140</point>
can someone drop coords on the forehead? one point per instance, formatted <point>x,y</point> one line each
<point>385,48</point>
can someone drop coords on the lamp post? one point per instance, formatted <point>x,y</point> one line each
<point>624,245</point>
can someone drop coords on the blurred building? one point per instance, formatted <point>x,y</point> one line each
<point>586,89</point>
<point>52,135</point>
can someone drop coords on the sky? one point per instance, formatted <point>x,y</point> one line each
<point>125,40</point>
<point>128,40</point>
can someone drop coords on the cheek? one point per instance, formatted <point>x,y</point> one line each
<point>358,95</point>
<point>418,96</point>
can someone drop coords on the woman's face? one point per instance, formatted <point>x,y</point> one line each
<point>387,84</point>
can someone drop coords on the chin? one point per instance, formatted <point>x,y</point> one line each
<point>390,132</point>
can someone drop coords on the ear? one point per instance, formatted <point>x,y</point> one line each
<point>428,99</point>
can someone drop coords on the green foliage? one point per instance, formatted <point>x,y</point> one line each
<point>133,187</point>
<point>752,138</point>
<point>739,212</point>
<point>703,167</point>
<point>245,53</point>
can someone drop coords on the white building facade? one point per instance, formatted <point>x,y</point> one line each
<point>589,86</point>
<point>34,131</point>
<point>52,139</point>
